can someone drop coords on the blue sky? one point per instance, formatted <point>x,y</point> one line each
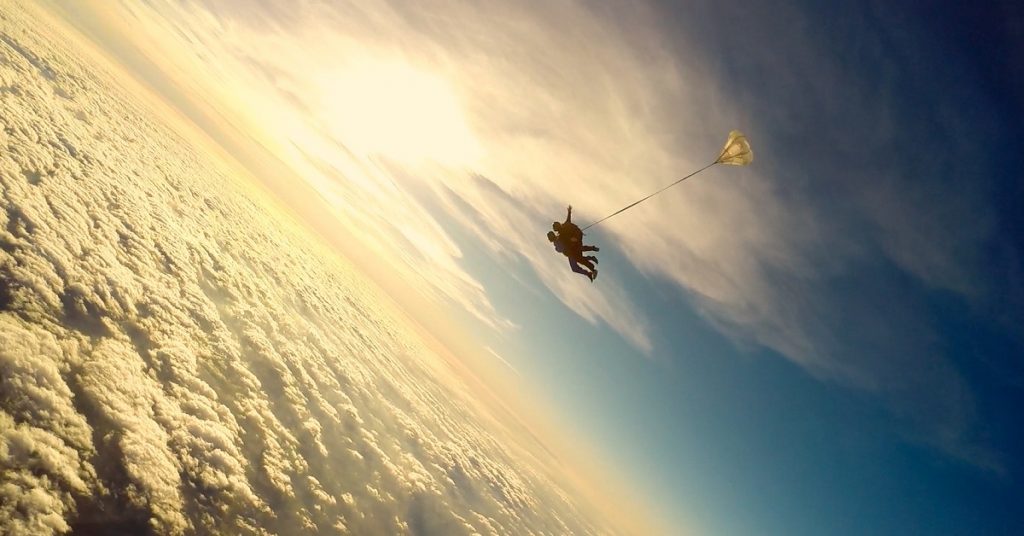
<point>828,341</point>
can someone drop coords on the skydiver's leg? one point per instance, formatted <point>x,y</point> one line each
<point>579,269</point>
<point>591,248</point>
<point>589,263</point>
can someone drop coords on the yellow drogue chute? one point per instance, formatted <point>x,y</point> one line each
<point>736,152</point>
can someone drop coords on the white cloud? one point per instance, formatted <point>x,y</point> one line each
<point>179,357</point>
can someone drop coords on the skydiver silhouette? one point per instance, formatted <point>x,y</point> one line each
<point>568,231</point>
<point>567,239</point>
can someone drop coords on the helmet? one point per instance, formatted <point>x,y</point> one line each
<point>551,236</point>
<point>556,226</point>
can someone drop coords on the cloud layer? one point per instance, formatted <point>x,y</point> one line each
<point>178,357</point>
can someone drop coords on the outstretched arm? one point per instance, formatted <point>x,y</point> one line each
<point>568,215</point>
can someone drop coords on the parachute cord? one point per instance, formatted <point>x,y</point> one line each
<point>627,207</point>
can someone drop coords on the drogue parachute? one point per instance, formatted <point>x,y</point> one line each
<point>736,152</point>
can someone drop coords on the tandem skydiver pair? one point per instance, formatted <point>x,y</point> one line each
<point>567,238</point>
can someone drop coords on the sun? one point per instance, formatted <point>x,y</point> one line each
<point>393,109</point>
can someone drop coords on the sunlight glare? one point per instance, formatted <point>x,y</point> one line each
<point>395,110</point>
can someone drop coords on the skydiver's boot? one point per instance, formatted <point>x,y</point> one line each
<point>593,275</point>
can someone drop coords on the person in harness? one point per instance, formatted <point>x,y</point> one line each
<point>567,239</point>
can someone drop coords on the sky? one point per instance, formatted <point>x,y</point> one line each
<point>827,341</point>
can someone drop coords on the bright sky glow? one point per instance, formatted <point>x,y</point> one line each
<point>396,111</point>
